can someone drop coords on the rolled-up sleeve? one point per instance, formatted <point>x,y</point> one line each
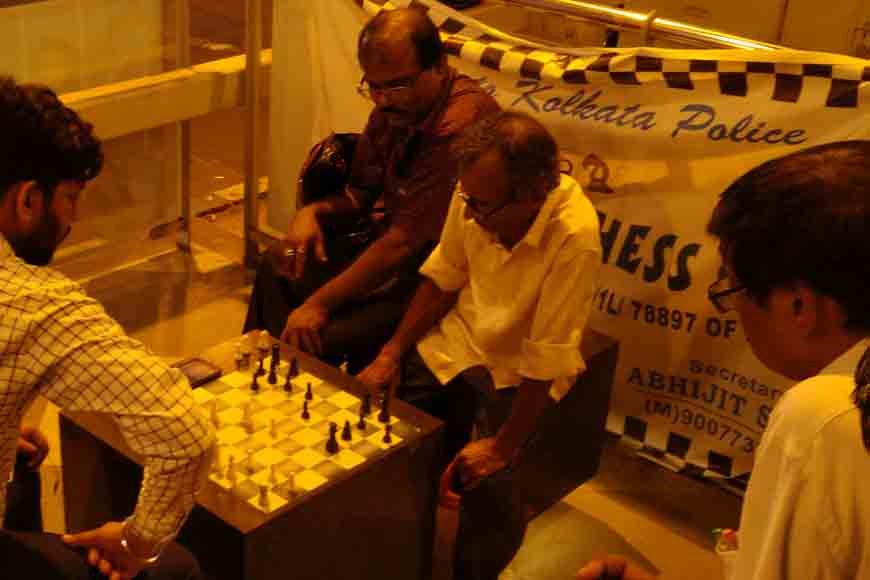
<point>552,349</point>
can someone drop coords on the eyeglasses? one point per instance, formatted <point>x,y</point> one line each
<point>474,204</point>
<point>722,298</point>
<point>389,89</point>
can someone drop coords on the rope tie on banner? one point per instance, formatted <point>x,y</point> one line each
<point>861,395</point>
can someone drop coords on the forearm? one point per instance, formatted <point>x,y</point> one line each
<point>335,209</point>
<point>429,305</point>
<point>531,400</point>
<point>368,272</point>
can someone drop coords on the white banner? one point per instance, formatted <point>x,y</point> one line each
<point>654,136</point>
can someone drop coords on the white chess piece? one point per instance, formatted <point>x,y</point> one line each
<point>215,419</point>
<point>216,464</point>
<point>265,340</point>
<point>250,462</point>
<point>231,468</point>
<point>247,421</point>
<point>273,478</point>
<point>264,496</point>
<point>273,429</point>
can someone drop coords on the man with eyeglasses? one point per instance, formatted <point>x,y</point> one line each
<point>343,307</point>
<point>793,236</point>
<point>505,297</point>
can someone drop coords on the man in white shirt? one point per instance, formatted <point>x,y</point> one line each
<point>505,296</point>
<point>58,343</point>
<point>793,235</point>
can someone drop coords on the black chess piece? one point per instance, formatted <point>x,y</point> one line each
<point>276,355</point>
<point>308,394</point>
<point>260,370</point>
<point>332,443</point>
<point>384,415</point>
<point>345,433</point>
<point>366,408</point>
<point>293,368</point>
<point>288,386</point>
<point>305,414</point>
<point>387,434</point>
<point>255,386</point>
<point>273,375</point>
<point>361,424</point>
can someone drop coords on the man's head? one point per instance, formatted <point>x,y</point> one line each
<point>508,163</point>
<point>794,236</point>
<point>403,59</point>
<point>47,155</point>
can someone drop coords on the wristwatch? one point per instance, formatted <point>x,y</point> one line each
<point>146,560</point>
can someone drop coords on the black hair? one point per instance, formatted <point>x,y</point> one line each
<point>43,140</point>
<point>528,150</point>
<point>412,22</point>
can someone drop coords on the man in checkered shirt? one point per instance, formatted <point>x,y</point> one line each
<point>59,343</point>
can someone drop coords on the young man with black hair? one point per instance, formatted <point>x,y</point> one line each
<point>793,236</point>
<point>58,343</point>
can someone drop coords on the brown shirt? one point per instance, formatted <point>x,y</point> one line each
<point>412,166</point>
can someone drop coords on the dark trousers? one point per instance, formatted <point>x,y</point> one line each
<point>25,552</point>
<point>354,333</point>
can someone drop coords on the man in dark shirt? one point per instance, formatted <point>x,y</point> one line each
<point>343,307</point>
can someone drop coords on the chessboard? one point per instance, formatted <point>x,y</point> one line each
<point>283,433</point>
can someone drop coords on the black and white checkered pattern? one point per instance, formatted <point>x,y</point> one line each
<point>59,343</point>
<point>787,81</point>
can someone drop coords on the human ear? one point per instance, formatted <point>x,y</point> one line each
<point>28,202</point>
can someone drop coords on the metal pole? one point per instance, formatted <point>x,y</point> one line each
<point>660,27</point>
<point>182,49</point>
<point>254,43</point>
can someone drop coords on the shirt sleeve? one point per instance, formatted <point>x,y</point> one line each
<point>447,265</point>
<point>87,363</point>
<point>552,349</point>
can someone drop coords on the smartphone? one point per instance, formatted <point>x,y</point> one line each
<point>198,371</point>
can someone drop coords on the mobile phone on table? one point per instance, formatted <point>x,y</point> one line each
<point>198,371</point>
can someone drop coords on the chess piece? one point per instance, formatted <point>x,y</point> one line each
<point>264,341</point>
<point>293,368</point>
<point>288,386</point>
<point>305,414</point>
<point>216,464</point>
<point>231,469</point>
<point>249,463</point>
<point>388,430</point>
<point>384,415</point>
<point>260,370</point>
<point>273,429</point>
<point>273,478</point>
<point>255,386</point>
<point>213,412</point>
<point>239,357</point>
<point>263,500</point>
<point>273,364</point>
<point>273,374</point>
<point>345,433</point>
<point>366,407</point>
<point>247,418</point>
<point>332,443</point>
<point>290,485</point>
<point>308,394</point>
<point>245,348</point>
<point>361,424</point>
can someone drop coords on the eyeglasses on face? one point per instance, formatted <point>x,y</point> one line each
<point>390,89</point>
<point>474,204</point>
<point>723,297</point>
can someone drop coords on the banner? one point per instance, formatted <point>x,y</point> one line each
<point>655,135</point>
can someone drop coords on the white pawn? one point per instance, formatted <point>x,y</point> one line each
<point>215,419</point>
<point>231,468</point>
<point>247,421</point>
<point>250,462</point>
<point>216,464</point>
<point>273,478</point>
<point>273,429</point>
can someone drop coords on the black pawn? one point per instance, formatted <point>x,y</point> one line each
<point>308,394</point>
<point>255,386</point>
<point>288,386</point>
<point>366,408</point>
<point>276,355</point>
<point>260,370</point>
<point>293,368</point>
<point>361,424</point>
<point>332,443</point>
<point>305,414</point>
<point>345,433</point>
<point>384,415</point>
<point>387,434</point>
<point>273,366</point>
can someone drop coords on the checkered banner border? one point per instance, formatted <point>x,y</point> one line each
<point>475,44</point>
<point>673,456</point>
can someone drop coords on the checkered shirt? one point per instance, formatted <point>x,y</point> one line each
<point>57,342</point>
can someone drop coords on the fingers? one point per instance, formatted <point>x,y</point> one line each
<point>27,447</point>
<point>320,248</point>
<point>591,571</point>
<point>81,539</point>
<point>310,340</point>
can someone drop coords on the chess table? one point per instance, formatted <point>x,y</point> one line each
<point>277,504</point>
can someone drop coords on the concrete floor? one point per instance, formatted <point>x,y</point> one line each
<point>180,304</point>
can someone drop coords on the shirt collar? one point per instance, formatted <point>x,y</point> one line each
<point>847,362</point>
<point>6,250</point>
<point>539,226</point>
<point>431,121</point>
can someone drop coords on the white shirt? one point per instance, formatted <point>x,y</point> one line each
<point>57,342</point>
<point>520,312</point>
<point>806,514</point>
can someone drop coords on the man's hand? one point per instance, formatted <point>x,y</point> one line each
<point>480,459</point>
<point>33,444</point>
<point>106,553</point>
<point>303,240</point>
<point>613,568</point>
<point>383,373</point>
<point>303,326</point>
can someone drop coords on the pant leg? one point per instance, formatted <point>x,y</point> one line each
<point>23,494</point>
<point>46,557</point>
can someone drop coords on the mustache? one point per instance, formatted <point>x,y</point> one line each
<point>393,110</point>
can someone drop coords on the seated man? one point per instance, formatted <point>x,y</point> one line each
<point>793,238</point>
<point>505,295</point>
<point>345,306</point>
<point>57,343</point>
